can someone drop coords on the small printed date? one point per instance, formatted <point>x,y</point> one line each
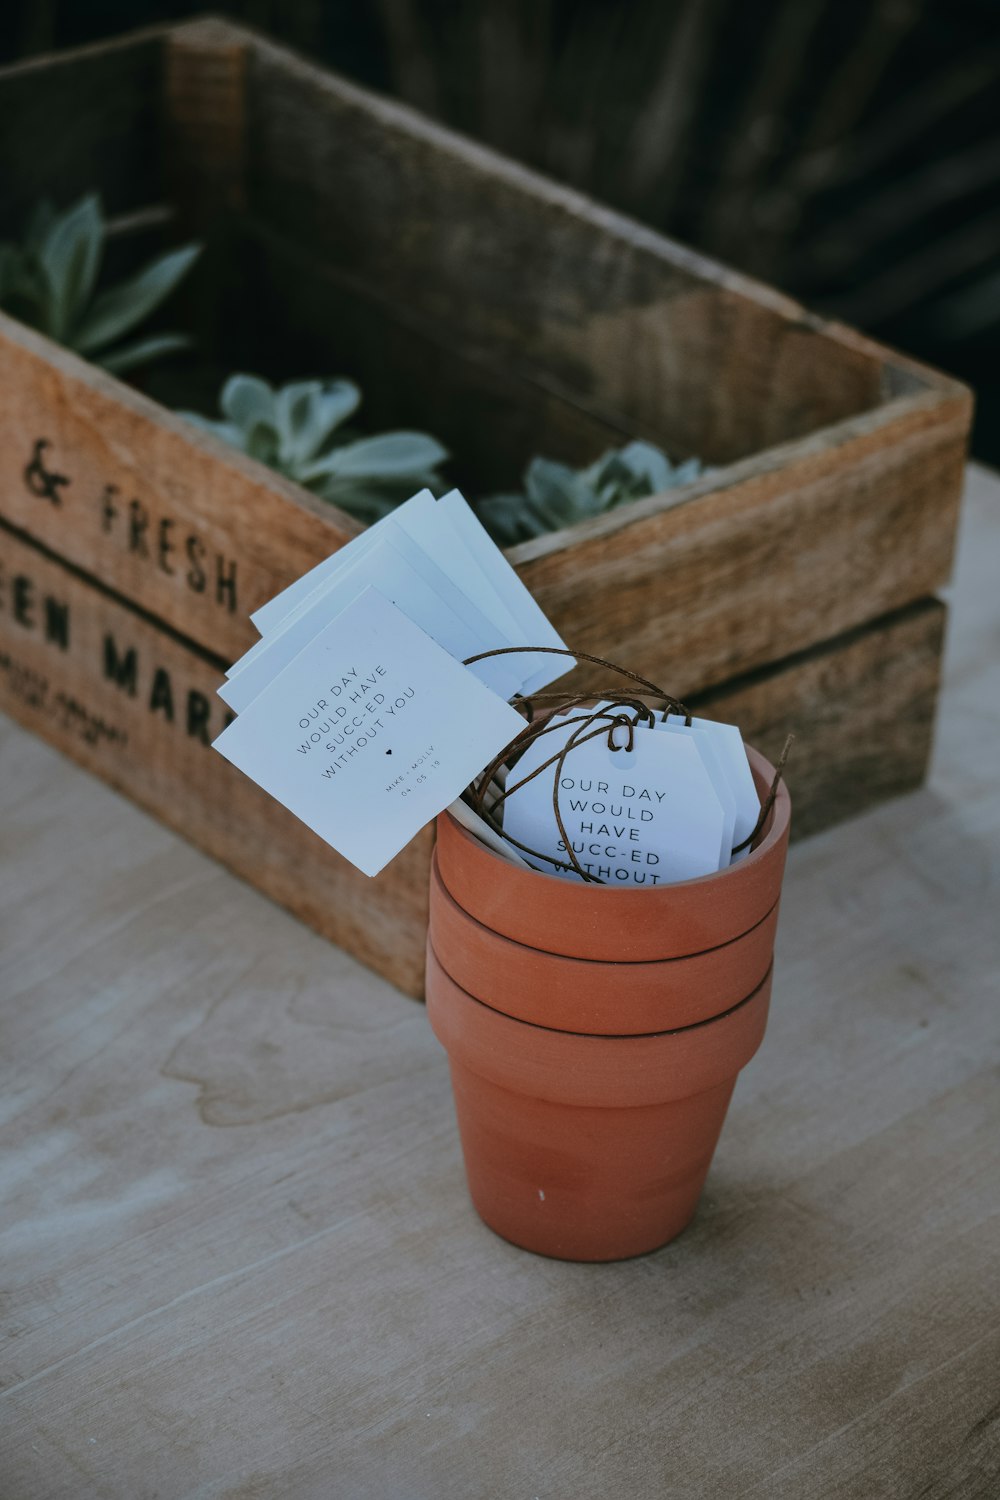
<point>417,772</point>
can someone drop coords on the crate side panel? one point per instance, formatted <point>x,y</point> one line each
<point>783,554</point>
<point>862,710</point>
<point>139,711</point>
<point>512,267</point>
<point>313,319</point>
<point>142,501</point>
<point>138,708</point>
<point>768,558</point>
<point>82,121</point>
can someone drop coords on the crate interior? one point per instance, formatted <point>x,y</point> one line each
<point>351,239</point>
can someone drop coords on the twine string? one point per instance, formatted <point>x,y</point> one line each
<point>769,800</point>
<point>600,661</point>
<point>621,711</point>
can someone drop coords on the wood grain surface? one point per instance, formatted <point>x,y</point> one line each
<point>737,570</point>
<point>92,118</point>
<point>539,277</point>
<point>862,709</point>
<point>136,704</point>
<point>239,1260</point>
<point>786,583</point>
<point>838,462</point>
<point>171,518</point>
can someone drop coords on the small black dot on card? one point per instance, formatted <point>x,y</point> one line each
<point>388,752</point>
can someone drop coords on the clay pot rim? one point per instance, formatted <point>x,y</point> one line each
<point>612,1036</point>
<point>501,938</point>
<point>587,1069</point>
<point>774,829</point>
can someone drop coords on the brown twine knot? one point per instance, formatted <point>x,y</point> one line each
<point>623,712</point>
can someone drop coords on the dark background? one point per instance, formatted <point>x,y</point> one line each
<point>847,151</point>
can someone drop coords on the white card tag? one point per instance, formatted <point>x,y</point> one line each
<point>456,544</point>
<point>640,817</point>
<point>384,566</point>
<point>534,627</point>
<point>369,732</point>
<point>271,616</point>
<point>731,756</point>
<point>709,753</point>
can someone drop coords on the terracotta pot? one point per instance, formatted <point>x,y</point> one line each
<point>614,924</point>
<point>588,995</point>
<point>595,1035</point>
<point>587,1147</point>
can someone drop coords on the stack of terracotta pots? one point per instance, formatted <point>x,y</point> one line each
<point>595,1034</point>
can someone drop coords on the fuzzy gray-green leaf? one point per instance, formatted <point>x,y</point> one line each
<point>140,351</point>
<point>228,432</point>
<point>116,311</point>
<point>390,454</point>
<point>70,256</point>
<point>556,496</point>
<point>247,400</point>
<point>308,412</point>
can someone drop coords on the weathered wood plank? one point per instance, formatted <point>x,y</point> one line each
<point>129,701</point>
<point>523,270</point>
<point>765,558</point>
<point>204,110</point>
<point>317,318</point>
<point>165,515</point>
<point>861,709</point>
<point>239,1254</point>
<point>82,121</point>
<point>136,705</point>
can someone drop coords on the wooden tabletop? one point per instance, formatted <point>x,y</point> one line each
<point>237,1252</point>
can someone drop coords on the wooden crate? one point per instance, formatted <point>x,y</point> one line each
<point>791,587</point>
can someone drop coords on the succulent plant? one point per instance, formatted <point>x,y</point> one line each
<point>49,281</point>
<point>298,430</point>
<point>556,495</point>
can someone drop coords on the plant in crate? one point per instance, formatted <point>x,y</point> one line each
<point>299,430</point>
<point>49,280</point>
<point>556,495</point>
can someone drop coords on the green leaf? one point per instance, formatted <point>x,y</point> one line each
<point>120,308</point>
<point>556,496</point>
<point>126,356</point>
<point>367,501</point>
<point>260,440</point>
<point>22,289</point>
<point>307,413</point>
<point>648,463</point>
<point>393,453</point>
<point>687,472</point>
<point>505,519</point>
<point>70,256</point>
<point>227,431</point>
<point>248,400</point>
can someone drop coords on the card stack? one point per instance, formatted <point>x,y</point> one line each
<point>355,709</point>
<point>674,806</point>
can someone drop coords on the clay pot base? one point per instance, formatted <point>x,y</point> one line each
<point>587,1147</point>
<point>594,1035</point>
<point>623,1183</point>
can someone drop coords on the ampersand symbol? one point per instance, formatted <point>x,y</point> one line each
<point>39,480</point>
